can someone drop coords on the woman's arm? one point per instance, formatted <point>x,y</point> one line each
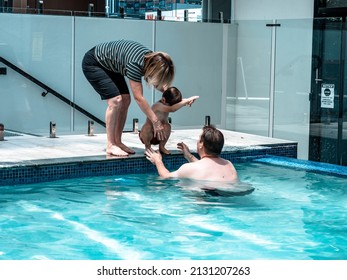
<point>137,91</point>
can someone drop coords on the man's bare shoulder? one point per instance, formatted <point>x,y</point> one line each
<point>186,169</point>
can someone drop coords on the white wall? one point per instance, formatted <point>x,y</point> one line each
<point>272,9</point>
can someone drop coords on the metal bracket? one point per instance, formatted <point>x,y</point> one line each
<point>3,70</point>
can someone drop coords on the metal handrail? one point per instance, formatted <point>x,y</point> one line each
<point>52,91</point>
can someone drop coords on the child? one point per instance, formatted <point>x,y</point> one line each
<point>171,101</point>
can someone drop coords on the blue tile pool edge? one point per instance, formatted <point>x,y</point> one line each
<point>311,166</point>
<point>50,170</point>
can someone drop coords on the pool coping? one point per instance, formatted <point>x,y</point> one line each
<point>35,171</point>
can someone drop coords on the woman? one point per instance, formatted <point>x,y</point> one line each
<point>106,66</point>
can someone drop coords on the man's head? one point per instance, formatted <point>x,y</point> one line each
<point>212,140</point>
<point>172,96</point>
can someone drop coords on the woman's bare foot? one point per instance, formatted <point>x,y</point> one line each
<point>116,151</point>
<point>126,149</point>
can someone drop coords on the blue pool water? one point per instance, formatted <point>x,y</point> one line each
<point>292,214</point>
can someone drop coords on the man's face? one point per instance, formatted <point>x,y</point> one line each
<point>199,143</point>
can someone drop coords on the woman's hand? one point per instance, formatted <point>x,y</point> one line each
<point>159,132</point>
<point>158,127</point>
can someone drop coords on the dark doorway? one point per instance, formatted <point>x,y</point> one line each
<point>328,117</point>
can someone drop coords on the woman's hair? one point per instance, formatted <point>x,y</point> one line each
<point>159,69</point>
<point>212,139</point>
<point>172,95</point>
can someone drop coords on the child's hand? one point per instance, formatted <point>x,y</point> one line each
<point>191,100</point>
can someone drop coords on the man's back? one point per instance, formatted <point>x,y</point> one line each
<point>208,168</point>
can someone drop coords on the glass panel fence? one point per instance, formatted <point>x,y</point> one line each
<point>40,46</point>
<point>248,76</point>
<point>293,82</point>
<point>49,49</point>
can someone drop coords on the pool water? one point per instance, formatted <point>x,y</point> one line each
<point>292,214</point>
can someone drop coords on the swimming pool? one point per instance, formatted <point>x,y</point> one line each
<point>292,214</point>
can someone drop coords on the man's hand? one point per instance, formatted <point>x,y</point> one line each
<point>186,153</point>
<point>156,158</point>
<point>153,156</point>
<point>184,148</point>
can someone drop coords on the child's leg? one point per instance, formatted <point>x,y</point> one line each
<point>146,135</point>
<point>167,130</point>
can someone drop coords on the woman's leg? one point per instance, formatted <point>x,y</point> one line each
<point>116,114</point>
<point>110,85</point>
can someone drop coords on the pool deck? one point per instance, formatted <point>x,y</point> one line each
<point>26,148</point>
<point>29,158</point>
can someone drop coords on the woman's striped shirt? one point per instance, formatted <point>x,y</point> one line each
<point>123,56</point>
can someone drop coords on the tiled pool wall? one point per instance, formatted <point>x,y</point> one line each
<point>38,171</point>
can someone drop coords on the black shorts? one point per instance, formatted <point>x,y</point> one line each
<point>107,83</point>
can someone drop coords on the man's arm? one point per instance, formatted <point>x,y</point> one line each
<point>185,171</point>
<point>186,153</point>
<point>156,159</point>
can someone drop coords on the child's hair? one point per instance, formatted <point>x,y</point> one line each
<point>159,69</point>
<point>172,95</point>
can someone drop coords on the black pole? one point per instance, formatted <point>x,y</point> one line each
<point>90,9</point>
<point>186,18</point>
<point>40,9</point>
<point>340,147</point>
<point>121,11</point>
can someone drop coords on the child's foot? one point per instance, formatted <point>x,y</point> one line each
<point>164,151</point>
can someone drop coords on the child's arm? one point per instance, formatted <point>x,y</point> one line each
<point>185,102</point>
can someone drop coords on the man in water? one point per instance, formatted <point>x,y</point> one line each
<point>210,167</point>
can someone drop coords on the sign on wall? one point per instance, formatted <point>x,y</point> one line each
<point>327,96</point>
